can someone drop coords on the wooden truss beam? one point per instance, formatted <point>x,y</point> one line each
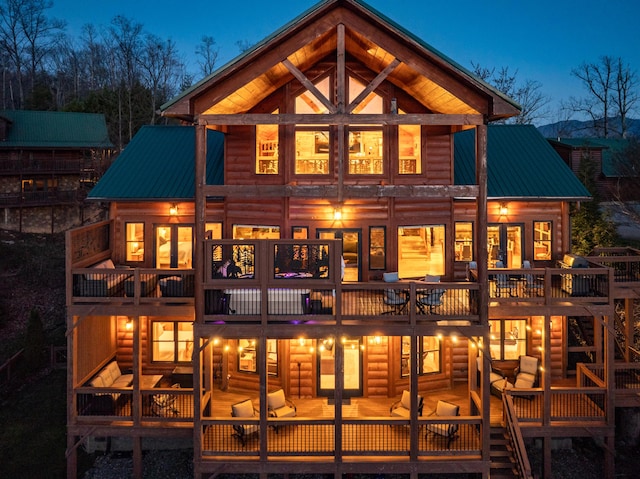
<point>339,119</point>
<point>349,191</point>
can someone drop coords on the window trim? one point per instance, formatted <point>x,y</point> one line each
<point>176,341</point>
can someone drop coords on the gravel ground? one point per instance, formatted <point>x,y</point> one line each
<point>583,461</point>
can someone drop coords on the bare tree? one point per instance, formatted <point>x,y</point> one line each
<point>41,33</point>
<point>626,94</point>
<point>126,38</point>
<point>13,42</point>
<point>597,78</point>
<point>208,52</point>
<point>160,68</point>
<point>528,94</point>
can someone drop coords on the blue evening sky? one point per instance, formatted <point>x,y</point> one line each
<point>542,40</point>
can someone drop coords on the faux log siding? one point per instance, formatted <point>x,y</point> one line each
<point>439,169</point>
<point>309,212</point>
<point>238,163</point>
<point>254,211</point>
<point>95,343</point>
<point>460,360</point>
<point>420,212</point>
<point>376,363</point>
<point>302,382</point>
<point>125,347</point>
<point>557,347</point>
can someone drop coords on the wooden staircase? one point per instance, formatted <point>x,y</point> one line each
<point>503,464</point>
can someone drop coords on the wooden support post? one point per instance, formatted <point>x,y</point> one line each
<point>137,457</point>
<point>546,458</point>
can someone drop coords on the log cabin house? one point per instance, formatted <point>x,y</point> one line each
<point>49,160</point>
<point>336,219</point>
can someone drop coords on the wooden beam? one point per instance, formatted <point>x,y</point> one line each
<point>308,84</point>
<point>348,191</point>
<point>340,119</point>
<point>375,83</point>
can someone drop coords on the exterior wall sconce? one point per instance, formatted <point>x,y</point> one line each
<point>173,210</point>
<point>337,214</point>
<point>129,324</point>
<point>504,211</point>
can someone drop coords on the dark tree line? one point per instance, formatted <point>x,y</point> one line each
<point>125,72</point>
<point>117,69</point>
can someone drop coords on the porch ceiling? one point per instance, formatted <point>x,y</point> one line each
<point>428,91</point>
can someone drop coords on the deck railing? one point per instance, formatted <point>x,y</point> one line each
<point>379,436</point>
<point>626,379</point>
<point>549,285</point>
<point>566,405</point>
<point>625,262</point>
<point>158,404</point>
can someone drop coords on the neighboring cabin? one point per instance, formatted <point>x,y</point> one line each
<point>48,163</point>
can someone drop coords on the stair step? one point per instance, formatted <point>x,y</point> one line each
<point>500,453</point>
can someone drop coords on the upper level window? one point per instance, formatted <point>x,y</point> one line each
<point>312,152</point>
<point>409,150</point>
<point>542,240</point>
<point>421,250</point>
<point>365,152</point>
<point>267,149</point>
<point>174,246</point>
<point>134,241</point>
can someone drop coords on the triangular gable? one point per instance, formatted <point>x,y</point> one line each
<point>439,84</point>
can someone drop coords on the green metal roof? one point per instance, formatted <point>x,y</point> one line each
<point>310,13</point>
<point>520,164</point>
<point>55,129</point>
<point>158,164</point>
<point>609,146</point>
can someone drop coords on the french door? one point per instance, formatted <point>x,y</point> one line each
<point>505,243</point>
<point>351,249</point>
<point>352,361</point>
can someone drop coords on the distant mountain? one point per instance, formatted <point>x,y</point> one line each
<point>586,129</point>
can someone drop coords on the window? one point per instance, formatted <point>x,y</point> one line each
<point>172,341</point>
<point>247,360</point>
<point>542,240</point>
<point>134,241</point>
<point>213,230</point>
<point>256,232</point>
<point>409,150</point>
<point>267,149</point>
<point>508,338</point>
<point>313,143</point>
<point>420,250</point>
<point>248,356</point>
<point>365,152</point>
<point>377,247</point>
<point>464,241</point>
<point>429,355</point>
<point>365,144</point>
<point>312,152</point>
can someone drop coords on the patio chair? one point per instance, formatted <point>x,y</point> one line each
<point>279,406</point>
<point>402,408</point>
<point>533,285</point>
<point>444,409</point>
<point>504,286</point>
<point>396,298</point>
<point>526,376</point>
<point>429,299</point>
<point>164,405</point>
<point>244,409</point>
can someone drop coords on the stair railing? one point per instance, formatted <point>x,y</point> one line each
<point>515,437</point>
